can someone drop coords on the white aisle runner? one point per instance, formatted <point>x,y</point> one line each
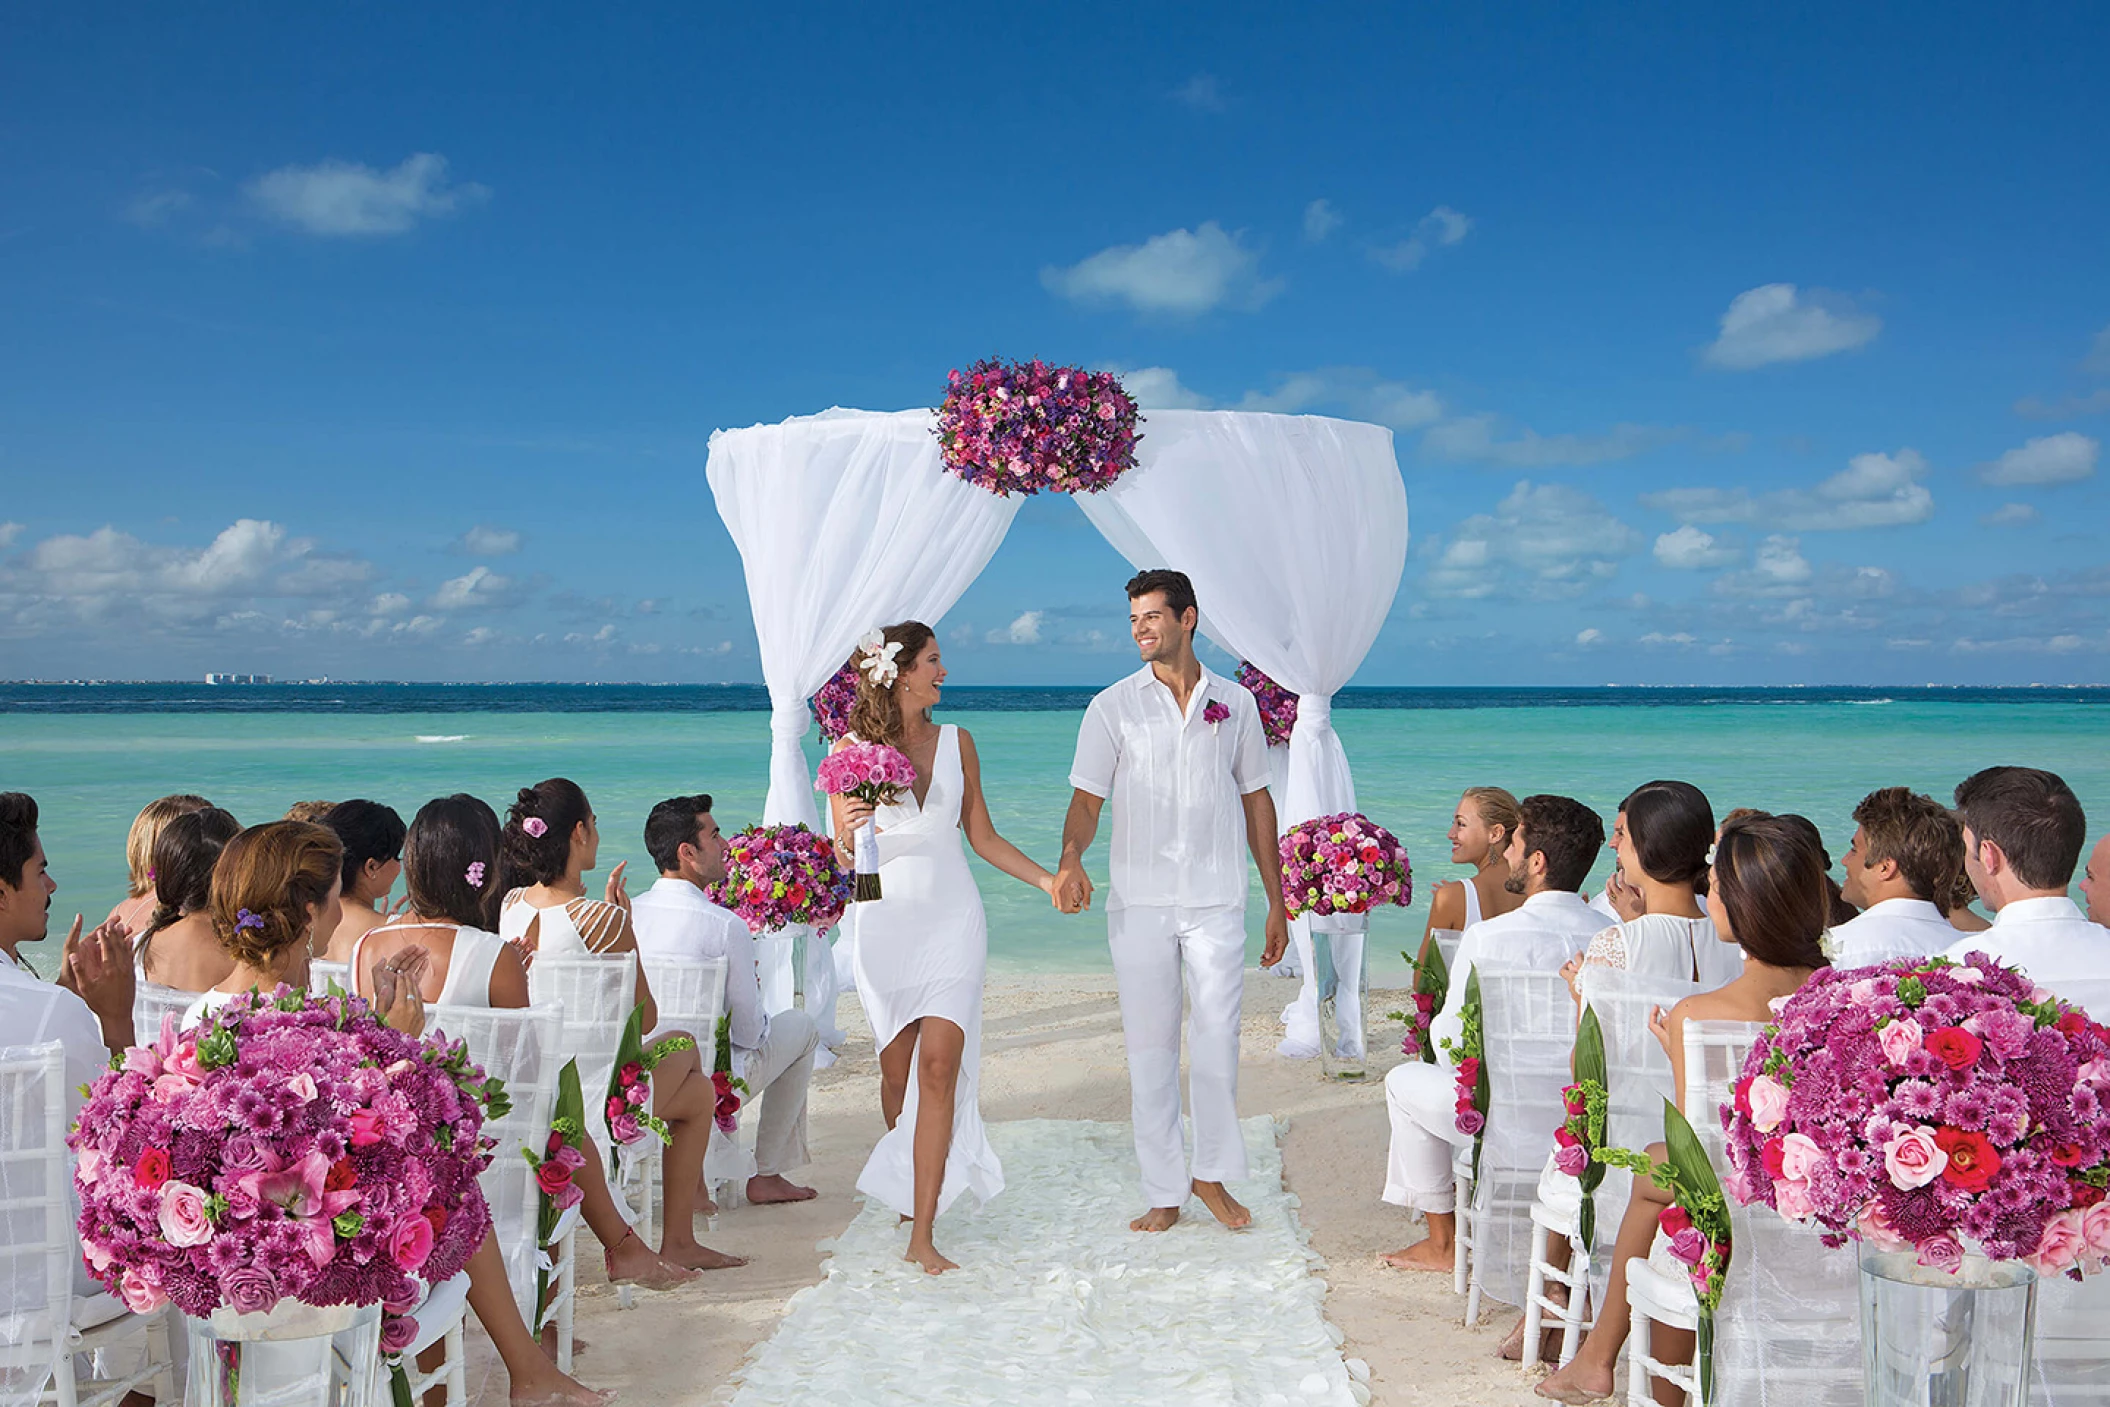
<point>1057,1301</point>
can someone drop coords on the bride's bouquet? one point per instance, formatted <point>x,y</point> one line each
<point>876,775</point>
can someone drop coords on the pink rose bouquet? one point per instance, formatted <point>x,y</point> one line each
<point>1278,706</point>
<point>292,1146</point>
<point>876,775</point>
<point>1930,1106</point>
<point>1469,1069</point>
<point>1580,1137</point>
<point>1432,983</point>
<point>831,706</point>
<point>1696,1222</point>
<point>1345,864</point>
<point>1024,427</point>
<point>776,876</point>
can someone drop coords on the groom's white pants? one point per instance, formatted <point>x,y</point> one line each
<point>1159,953</point>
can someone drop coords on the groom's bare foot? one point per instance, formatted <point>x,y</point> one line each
<point>926,1255</point>
<point>1156,1219</point>
<point>1223,1205</point>
<point>766,1190</point>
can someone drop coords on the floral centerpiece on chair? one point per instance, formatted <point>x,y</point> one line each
<point>1026,427</point>
<point>1343,864</point>
<point>1432,983</point>
<point>1278,706</point>
<point>776,876</point>
<point>1696,1221</point>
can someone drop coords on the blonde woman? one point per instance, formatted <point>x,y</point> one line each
<point>1480,830</point>
<point>136,909</point>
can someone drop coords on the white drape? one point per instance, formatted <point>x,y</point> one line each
<point>845,521</point>
<point>1293,529</point>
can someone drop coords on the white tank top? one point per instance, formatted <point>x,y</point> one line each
<point>1472,902</point>
<point>469,963</point>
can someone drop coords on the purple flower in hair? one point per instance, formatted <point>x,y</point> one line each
<point>535,826</point>
<point>245,919</point>
<point>475,874</point>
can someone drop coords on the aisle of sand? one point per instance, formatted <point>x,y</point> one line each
<point>1052,1049</point>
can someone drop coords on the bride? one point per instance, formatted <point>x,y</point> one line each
<point>922,948</point>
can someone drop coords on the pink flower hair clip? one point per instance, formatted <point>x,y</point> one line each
<point>475,874</point>
<point>535,826</point>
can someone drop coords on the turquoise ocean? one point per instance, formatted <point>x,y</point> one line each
<point>92,754</point>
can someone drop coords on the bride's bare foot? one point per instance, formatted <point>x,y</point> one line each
<point>1422,1255</point>
<point>632,1262</point>
<point>1578,1382</point>
<point>697,1256</point>
<point>1223,1205</point>
<point>926,1255</point>
<point>767,1190</point>
<point>1156,1219</point>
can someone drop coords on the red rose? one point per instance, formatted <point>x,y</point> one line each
<point>2067,1155</point>
<point>438,1217</point>
<point>556,1141</point>
<point>152,1169</point>
<point>616,1107</point>
<point>553,1179</point>
<point>1972,1158</point>
<point>1564,1138</point>
<point>1772,1153</point>
<point>1954,1047</point>
<point>2072,1023</point>
<point>1673,1219</point>
<point>342,1176</point>
<point>631,1073</point>
<point>2084,1194</point>
<point>1743,1096</point>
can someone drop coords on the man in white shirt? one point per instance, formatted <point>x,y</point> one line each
<point>1905,853</point>
<point>1550,854</point>
<point>2022,833</point>
<point>675,922</point>
<point>1180,753</point>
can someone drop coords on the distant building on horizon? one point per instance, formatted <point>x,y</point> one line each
<point>238,679</point>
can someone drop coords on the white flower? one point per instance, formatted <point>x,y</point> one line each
<point>876,658</point>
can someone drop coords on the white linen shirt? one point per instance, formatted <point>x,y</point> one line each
<point>676,923</point>
<point>1545,931</point>
<point>1176,783</point>
<point>2050,939</point>
<point>33,1011</point>
<point>1895,928</point>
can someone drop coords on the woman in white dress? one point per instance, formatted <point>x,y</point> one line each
<point>922,948</point>
<point>1662,852</point>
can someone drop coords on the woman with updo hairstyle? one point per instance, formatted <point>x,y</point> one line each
<point>1769,900</point>
<point>551,839</point>
<point>1485,819</point>
<point>181,948</point>
<point>136,909</point>
<point>1662,850</point>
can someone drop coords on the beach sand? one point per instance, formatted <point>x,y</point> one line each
<point>1052,1049</point>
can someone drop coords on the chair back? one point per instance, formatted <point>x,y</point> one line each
<point>1637,1068</point>
<point>321,974</point>
<point>597,994</point>
<point>1527,1021</point>
<point>150,1002</point>
<point>37,1246</point>
<point>690,995</point>
<point>1447,940</point>
<point>524,1046</point>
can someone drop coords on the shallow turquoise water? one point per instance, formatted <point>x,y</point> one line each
<point>90,773</point>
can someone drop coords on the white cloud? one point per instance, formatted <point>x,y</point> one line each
<point>347,198</point>
<point>1321,220</point>
<point>1358,390</point>
<point>2049,459</point>
<point>1201,92</point>
<point>1439,229</point>
<point>1689,549</point>
<point>1776,322</point>
<point>1780,561</point>
<point>2061,644</point>
<point>1873,491</point>
<point>1588,637</point>
<point>2010,515</point>
<point>1023,631</point>
<point>1159,388</point>
<point>1471,439</point>
<point>486,541</point>
<point>155,208</point>
<point>478,587</point>
<point>2065,408</point>
<point>1184,272</point>
<point>1545,540</point>
<point>8,533</point>
<point>1680,638</point>
<point>2098,358</point>
<point>389,603</point>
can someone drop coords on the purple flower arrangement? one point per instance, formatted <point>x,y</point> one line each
<point>289,1147</point>
<point>776,876</point>
<point>1932,1106</point>
<point>831,706</point>
<point>1025,427</point>
<point>1344,864</point>
<point>1278,706</point>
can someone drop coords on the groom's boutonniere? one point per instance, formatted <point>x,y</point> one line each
<point>1214,713</point>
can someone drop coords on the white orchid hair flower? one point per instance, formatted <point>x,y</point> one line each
<point>876,657</point>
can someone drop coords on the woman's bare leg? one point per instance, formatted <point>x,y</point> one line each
<point>895,1064</point>
<point>682,1094</point>
<point>937,1079</point>
<point>1588,1375</point>
<point>534,1380</point>
<point>630,1260</point>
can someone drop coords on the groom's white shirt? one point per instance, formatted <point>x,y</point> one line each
<point>1175,782</point>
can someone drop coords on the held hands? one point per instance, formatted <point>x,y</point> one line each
<point>397,1000</point>
<point>1072,888</point>
<point>1277,935</point>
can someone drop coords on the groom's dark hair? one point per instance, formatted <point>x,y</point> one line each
<point>1177,590</point>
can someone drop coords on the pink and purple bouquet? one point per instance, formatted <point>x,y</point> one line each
<point>1345,864</point>
<point>1932,1106</point>
<point>877,775</point>
<point>1278,706</point>
<point>776,876</point>
<point>289,1147</point>
<point>831,706</point>
<point>1024,427</point>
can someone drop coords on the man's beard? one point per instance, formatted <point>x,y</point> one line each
<point>1515,884</point>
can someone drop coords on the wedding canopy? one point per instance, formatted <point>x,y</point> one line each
<point>1293,529</point>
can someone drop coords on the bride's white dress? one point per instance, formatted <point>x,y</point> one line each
<point>922,951</point>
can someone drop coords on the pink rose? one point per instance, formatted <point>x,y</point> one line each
<point>1572,1161</point>
<point>1689,1245</point>
<point>1792,1200</point>
<point>1941,1251</point>
<point>88,1166</point>
<point>1471,1121</point>
<point>568,1158</point>
<point>2060,1245</point>
<point>1912,1158</point>
<point>140,1289</point>
<point>1899,1039</point>
<point>1861,991</point>
<point>2095,1226</point>
<point>1875,1228</point>
<point>1800,1156</point>
<point>368,1128</point>
<point>1769,1103</point>
<point>303,1086</point>
<point>410,1243</point>
<point>183,1218</point>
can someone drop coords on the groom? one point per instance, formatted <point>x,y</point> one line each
<point>1180,753</point>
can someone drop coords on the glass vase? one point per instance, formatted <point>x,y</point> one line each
<point>1930,1338</point>
<point>294,1356</point>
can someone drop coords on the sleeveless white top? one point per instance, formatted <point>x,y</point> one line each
<point>1472,902</point>
<point>469,963</point>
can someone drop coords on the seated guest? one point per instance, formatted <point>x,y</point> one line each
<point>310,811</point>
<point>1550,853</point>
<point>1842,909</point>
<point>1480,830</point>
<point>1769,900</point>
<point>1900,870</point>
<point>136,909</point>
<point>2022,832</point>
<point>1663,858</point>
<point>774,1054</point>
<point>1962,917</point>
<point>2095,882</point>
<point>179,948</point>
<point>373,856</point>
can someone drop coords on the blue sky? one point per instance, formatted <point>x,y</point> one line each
<point>1754,345</point>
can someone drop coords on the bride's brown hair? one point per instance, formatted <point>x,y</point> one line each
<point>876,715</point>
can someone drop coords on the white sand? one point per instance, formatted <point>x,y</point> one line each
<point>1052,1049</point>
